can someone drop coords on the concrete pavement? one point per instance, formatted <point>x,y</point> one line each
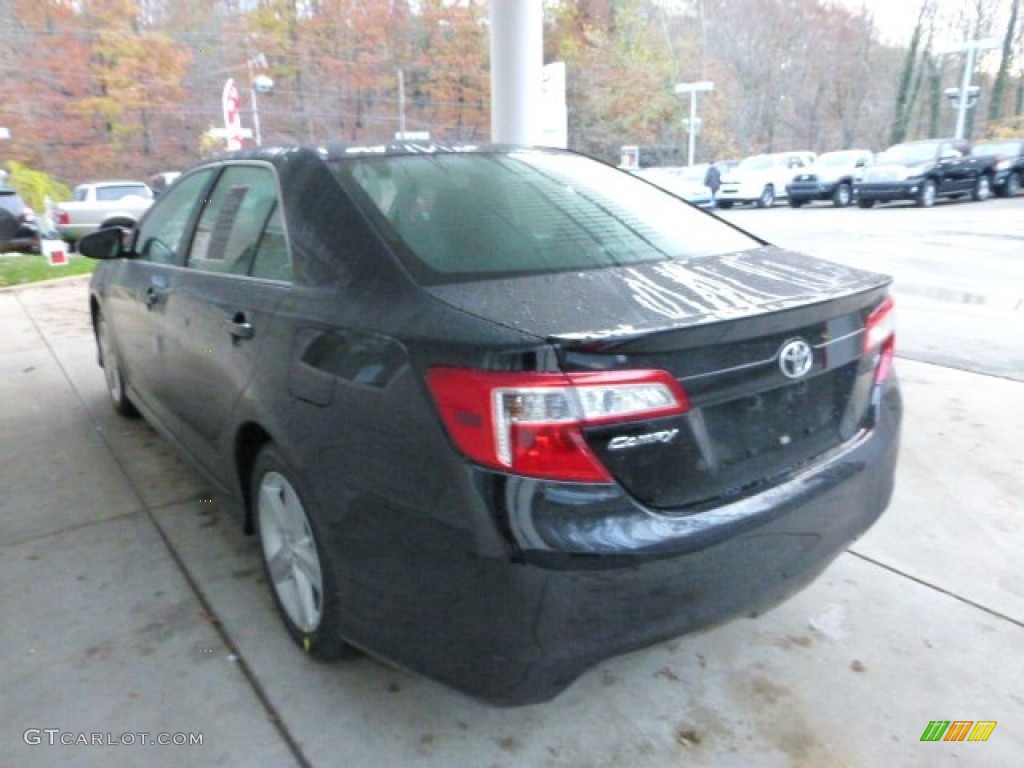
<point>132,603</point>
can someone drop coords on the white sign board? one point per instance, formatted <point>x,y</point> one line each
<point>553,115</point>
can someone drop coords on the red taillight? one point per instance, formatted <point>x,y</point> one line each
<point>532,423</point>
<point>63,217</point>
<point>880,337</point>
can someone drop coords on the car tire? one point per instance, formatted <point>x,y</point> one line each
<point>842,196</point>
<point>724,204</point>
<point>926,195</point>
<point>1012,186</point>
<point>866,203</point>
<point>796,203</point>
<point>982,188</point>
<point>117,388</point>
<point>299,568</point>
<point>767,198</point>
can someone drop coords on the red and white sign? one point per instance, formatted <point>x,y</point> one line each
<point>232,107</point>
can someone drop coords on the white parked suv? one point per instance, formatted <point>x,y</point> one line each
<point>761,179</point>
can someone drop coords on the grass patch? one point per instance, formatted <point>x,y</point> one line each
<point>22,268</point>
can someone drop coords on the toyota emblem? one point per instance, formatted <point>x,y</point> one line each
<point>795,358</point>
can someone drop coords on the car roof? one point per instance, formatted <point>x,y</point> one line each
<point>346,150</point>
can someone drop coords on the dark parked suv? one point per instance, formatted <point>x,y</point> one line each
<point>499,413</point>
<point>1008,170</point>
<point>19,230</point>
<point>924,171</point>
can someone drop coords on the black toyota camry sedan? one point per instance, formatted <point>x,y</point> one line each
<point>498,413</point>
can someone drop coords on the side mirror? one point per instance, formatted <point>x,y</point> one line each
<point>104,244</point>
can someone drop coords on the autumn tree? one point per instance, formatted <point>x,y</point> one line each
<point>97,85</point>
<point>620,75</point>
<point>450,86</point>
<point>999,87</point>
<point>52,52</point>
<point>135,82</point>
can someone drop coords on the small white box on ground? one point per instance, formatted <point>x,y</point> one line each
<point>55,251</point>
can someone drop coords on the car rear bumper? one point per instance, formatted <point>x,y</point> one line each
<point>811,190</point>
<point>22,244</point>
<point>75,232</point>
<point>702,202</point>
<point>593,574</point>
<point>901,190</point>
<point>736,197</point>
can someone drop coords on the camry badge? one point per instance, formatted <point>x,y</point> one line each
<point>635,441</point>
<point>795,358</point>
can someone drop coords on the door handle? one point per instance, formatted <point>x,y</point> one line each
<point>240,328</point>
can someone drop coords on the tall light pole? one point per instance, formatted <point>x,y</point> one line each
<point>964,100</point>
<point>258,84</point>
<point>693,123</point>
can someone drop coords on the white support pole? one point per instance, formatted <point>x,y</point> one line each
<point>964,101</point>
<point>401,103</point>
<point>256,117</point>
<point>517,54</point>
<point>693,126</point>
<point>961,111</point>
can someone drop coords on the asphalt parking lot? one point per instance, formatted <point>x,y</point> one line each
<point>133,605</point>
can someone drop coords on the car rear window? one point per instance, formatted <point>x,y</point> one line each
<point>909,154</point>
<point>10,201</point>
<point>998,148</point>
<point>478,215</point>
<point>122,190</point>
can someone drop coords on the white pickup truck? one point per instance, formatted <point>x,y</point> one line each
<point>761,179</point>
<point>101,204</point>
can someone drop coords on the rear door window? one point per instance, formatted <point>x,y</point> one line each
<point>234,224</point>
<point>272,260</point>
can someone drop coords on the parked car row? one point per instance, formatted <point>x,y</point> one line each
<point>95,205</point>
<point>917,171</point>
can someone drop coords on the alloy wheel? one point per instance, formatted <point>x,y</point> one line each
<point>982,189</point>
<point>290,552</point>
<point>843,195</point>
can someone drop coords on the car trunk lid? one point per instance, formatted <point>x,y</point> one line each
<point>767,345</point>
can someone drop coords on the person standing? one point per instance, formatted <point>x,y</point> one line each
<point>713,180</point>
